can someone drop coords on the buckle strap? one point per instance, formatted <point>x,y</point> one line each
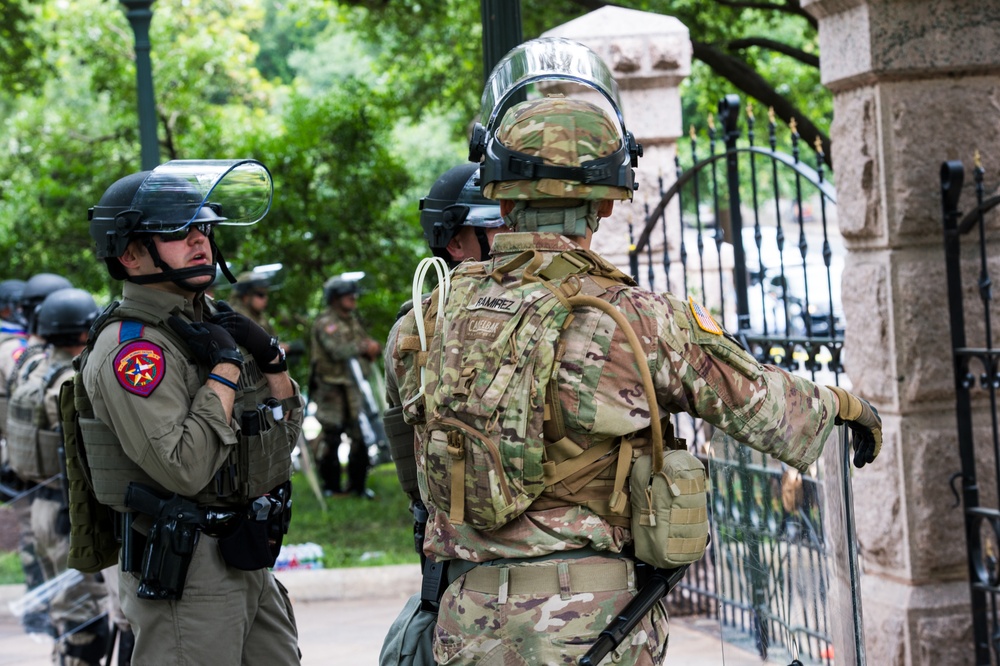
<point>540,580</point>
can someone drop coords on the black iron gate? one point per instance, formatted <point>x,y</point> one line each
<point>968,240</point>
<point>768,267</point>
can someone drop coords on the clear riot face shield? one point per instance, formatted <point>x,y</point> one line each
<point>184,192</point>
<point>784,553</point>
<point>529,67</point>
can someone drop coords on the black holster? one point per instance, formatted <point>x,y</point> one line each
<point>169,544</point>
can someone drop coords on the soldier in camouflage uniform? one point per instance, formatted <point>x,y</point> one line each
<point>250,295</point>
<point>540,588</point>
<point>338,336</point>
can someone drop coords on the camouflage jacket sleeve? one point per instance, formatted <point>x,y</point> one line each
<point>177,432</point>
<point>701,371</point>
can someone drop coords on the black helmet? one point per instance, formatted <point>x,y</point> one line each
<point>249,281</point>
<point>10,293</point>
<point>342,285</point>
<point>456,200</point>
<point>174,197</point>
<point>64,314</point>
<point>35,290</point>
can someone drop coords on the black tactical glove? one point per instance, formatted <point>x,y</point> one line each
<point>865,425</point>
<point>210,343</point>
<point>269,355</point>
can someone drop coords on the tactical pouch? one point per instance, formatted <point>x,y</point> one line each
<point>256,540</point>
<point>669,510</point>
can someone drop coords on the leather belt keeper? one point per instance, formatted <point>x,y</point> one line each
<point>544,580</point>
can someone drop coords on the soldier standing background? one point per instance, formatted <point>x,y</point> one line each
<point>338,336</point>
<point>531,422</point>
<point>250,294</point>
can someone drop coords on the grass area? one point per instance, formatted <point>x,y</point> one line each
<point>353,532</point>
<point>356,532</point>
<point>10,569</point>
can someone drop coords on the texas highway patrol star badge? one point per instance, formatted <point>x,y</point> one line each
<point>139,367</point>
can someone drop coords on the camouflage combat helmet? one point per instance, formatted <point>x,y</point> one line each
<point>559,132</point>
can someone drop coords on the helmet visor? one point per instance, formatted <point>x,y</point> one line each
<point>547,59</point>
<point>182,192</point>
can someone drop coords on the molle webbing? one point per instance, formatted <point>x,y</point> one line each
<point>107,467</point>
<point>595,477</point>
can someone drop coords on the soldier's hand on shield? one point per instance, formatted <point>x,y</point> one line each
<point>209,343</point>
<point>264,348</point>
<point>863,420</point>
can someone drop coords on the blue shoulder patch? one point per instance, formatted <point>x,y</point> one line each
<point>130,330</point>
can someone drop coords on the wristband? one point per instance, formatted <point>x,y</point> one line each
<point>223,381</point>
<point>278,364</point>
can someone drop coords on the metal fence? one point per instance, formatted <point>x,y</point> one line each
<point>750,231</point>
<point>970,241</point>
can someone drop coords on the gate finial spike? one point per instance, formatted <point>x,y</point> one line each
<point>770,114</point>
<point>977,159</point>
<point>711,121</point>
<point>819,145</point>
<point>793,126</point>
<point>691,131</point>
<point>750,110</point>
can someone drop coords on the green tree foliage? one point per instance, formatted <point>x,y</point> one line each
<point>765,51</point>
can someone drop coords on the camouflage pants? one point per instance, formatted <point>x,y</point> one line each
<point>509,615</point>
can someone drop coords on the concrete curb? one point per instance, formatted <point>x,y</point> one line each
<point>314,585</point>
<point>308,585</point>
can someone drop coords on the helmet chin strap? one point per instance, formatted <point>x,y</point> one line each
<point>181,276</point>
<point>484,243</point>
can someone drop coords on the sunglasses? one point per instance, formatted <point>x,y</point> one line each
<point>173,236</point>
<point>259,294</point>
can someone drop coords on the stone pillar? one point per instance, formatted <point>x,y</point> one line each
<point>649,55</point>
<point>915,82</point>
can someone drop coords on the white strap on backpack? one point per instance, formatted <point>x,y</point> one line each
<point>444,285</point>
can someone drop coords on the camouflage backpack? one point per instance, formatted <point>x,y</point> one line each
<point>490,377</point>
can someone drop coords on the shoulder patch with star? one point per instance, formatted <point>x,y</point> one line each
<point>140,367</point>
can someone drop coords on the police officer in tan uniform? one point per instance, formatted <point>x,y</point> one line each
<point>34,438</point>
<point>338,337</point>
<point>539,585</point>
<point>194,419</point>
<point>19,353</point>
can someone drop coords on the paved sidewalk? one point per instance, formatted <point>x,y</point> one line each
<point>343,615</point>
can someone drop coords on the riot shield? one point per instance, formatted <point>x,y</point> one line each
<point>784,554</point>
<point>370,418</point>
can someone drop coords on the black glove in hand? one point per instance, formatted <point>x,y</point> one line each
<point>264,348</point>
<point>865,425</point>
<point>210,344</point>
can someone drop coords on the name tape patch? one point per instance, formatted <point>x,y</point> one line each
<point>704,319</point>
<point>496,304</point>
<point>140,367</point>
